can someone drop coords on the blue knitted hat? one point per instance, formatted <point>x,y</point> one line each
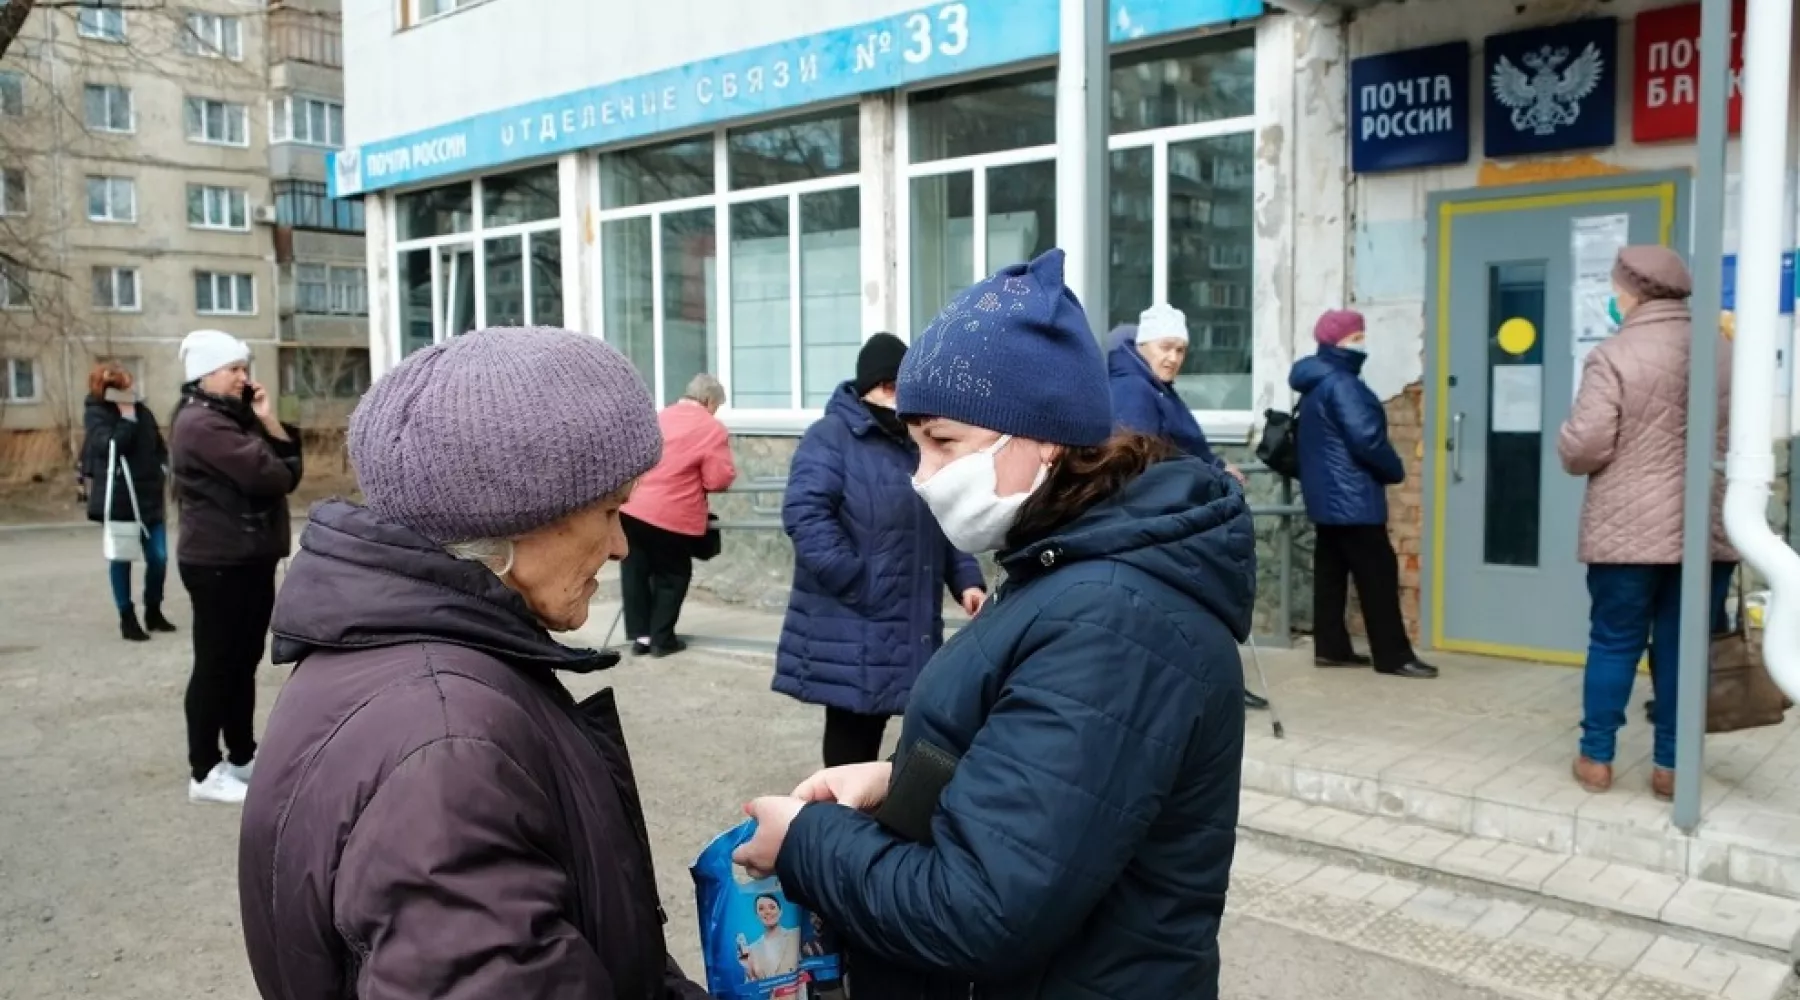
<point>1012,354</point>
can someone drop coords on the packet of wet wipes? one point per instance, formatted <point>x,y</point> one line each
<point>758,945</point>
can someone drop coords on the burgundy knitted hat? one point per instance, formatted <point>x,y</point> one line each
<point>1652,272</point>
<point>499,432</point>
<point>1336,325</point>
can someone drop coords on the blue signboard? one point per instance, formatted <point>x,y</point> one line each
<point>942,40</point>
<point>1410,109</point>
<point>1551,89</point>
<point>1728,290</point>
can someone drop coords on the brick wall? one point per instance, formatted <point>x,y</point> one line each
<point>1406,511</point>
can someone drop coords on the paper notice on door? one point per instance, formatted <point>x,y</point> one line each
<point>1517,405</point>
<point>1594,243</point>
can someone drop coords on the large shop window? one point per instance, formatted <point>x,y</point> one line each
<point>777,314</point>
<point>479,254</point>
<point>981,194</point>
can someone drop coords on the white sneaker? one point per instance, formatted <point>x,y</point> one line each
<point>241,773</point>
<point>219,786</point>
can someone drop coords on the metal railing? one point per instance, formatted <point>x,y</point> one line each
<point>768,518</point>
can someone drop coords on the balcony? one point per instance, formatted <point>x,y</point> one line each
<point>297,36</point>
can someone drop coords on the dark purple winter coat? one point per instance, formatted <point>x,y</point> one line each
<point>433,814</point>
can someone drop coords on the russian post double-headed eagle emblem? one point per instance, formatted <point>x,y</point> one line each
<point>1549,96</point>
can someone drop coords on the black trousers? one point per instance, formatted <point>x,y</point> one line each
<point>654,581</point>
<point>1360,552</point>
<point>232,605</point>
<point>852,738</point>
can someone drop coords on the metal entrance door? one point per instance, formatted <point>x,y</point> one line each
<point>1519,286</point>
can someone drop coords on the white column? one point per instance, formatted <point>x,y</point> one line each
<point>384,292</point>
<point>880,224</point>
<point>1082,119</point>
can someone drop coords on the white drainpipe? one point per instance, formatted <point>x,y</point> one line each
<point>1750,463</point>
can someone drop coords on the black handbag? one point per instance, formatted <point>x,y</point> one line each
<point>1279,447</point>
<point>710,544</point>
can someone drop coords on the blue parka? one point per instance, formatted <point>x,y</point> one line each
<point>870,566</point>
<point>1144,403</point>
<point>1082,847</point>
<point>1346,460</point>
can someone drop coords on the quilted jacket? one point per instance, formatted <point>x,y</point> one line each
<point>1082,847</point>
<point>870,566</point>
<point>1628,434</point>
<point>1143,403</point>
<point>1346,460</point>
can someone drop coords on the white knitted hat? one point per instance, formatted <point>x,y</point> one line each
<point>1162,322</point>
<point>206,351</point>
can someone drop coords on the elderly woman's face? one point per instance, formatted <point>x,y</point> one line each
<point>1165,357</point>
<point>1016,464</point>
<point>228,381</point>
<point>554,567</point>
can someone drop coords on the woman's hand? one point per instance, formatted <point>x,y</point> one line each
<point>862,787</point>
<point>773,814</point>
<point>263,406</point>
<point>1236,473</point>
<point>973,599</point>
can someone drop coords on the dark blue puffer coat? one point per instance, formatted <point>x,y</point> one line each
<point>1144,403</point>
<point>870,567</point>
<point>1082,847</point>
<point>1346,460</point>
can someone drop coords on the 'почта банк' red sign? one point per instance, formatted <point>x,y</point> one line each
<point>1665,92</point>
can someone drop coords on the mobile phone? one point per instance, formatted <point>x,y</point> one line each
<point>120,396</point>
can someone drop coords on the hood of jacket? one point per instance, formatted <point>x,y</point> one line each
<point>1124,361</point>
<point>362,583</point>
<point>1182,522</point>
<point>847,405</point>
<point>1309,371</point>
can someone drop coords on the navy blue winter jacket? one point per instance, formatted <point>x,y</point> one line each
<point>1144,403</point>
<point>1082,847</point>
<point>1346,460</point>
<point>870,566</point>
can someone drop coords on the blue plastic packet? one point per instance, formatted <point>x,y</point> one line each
<point>758,945</point>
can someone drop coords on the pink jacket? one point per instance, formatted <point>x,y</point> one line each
<point>1628,434</point>
<point>696,461</point>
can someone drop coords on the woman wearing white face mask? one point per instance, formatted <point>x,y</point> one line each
<point>1059,818</point>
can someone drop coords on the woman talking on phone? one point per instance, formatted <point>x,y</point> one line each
<point>234,465</point>
<point>125,448</point>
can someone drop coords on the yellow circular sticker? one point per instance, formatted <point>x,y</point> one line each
<point>1517,335</point>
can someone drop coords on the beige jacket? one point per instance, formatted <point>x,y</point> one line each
<point>1628,434</point>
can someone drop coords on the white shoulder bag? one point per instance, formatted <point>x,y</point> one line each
<point>123,540</point>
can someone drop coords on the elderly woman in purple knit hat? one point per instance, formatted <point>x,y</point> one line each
<point>433,814</point>
<point>1624,434</point>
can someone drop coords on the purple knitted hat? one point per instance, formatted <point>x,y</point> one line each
<point>1652,272</point>
<point>499,432</point>
<point>1336,325</point>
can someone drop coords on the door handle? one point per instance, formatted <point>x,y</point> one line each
<point>1454,446</point>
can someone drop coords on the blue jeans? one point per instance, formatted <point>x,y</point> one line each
<point>1634,607</point>
<point>156,568</point>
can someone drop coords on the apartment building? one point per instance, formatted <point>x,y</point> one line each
<point>161,170</point>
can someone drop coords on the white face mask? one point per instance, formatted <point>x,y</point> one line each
<point>964,497</point>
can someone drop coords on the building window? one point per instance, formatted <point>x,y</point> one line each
<point>481,254</point>
<point>325,372</point>
<point>309,205</point>
<point>21,380</point>
<point>217,294</point>
<point>116,289</point>
<point>101,19</point>
<point>414,11</point>
<point>214,36</point>
<point>211,207</point>
<point>14,199</point>
<point>306,120</point>
<point>108,108</point>
<point>15,285</point>
<point>331,290</point>
<point>778,314</point>
<point>12,94</point>
<point>219,123</point>
<point>981,194</point>
<point>112,199</point>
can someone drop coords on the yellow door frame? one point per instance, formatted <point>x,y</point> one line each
<point>1663,192</point>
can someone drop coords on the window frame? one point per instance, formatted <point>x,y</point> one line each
<point>195,43</point>
<point>282,118</point>
<point>354,300</point>
<point>12,378</point>
<point>98,9</point>
<point>14,275</point>
<point>7,208</point>
<point>202,139</point>
<point>12,82</point>
<point>796,416</point>
<point>110,89</point>
<point>110,180</point>
<point>1225,426</point>
<point>412,12</point>
<point>137,288</point>
<point>215,276</point>
<point>208,200</point>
